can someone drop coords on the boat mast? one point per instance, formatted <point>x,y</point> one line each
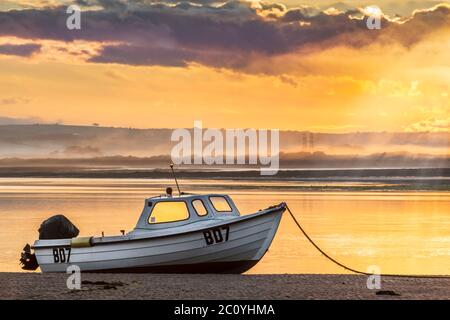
<point>176,181</point>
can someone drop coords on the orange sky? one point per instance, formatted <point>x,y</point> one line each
<point>381,86</point>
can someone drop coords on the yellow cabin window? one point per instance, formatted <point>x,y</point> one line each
<point>199,207</point>
<point>169,211</point>
<point>220,204</point>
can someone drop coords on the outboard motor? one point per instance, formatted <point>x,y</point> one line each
<point>55,227</point>
<point>28,260</point>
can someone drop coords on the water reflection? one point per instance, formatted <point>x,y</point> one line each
<point>402,232</point>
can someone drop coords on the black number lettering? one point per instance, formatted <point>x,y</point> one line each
<point>227,232</point>
<point>217,235</point>
<point>62,255</point>
<point>208,238</point>
<point>55,255</point>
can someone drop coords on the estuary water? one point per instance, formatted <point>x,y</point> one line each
<point>405,232</point>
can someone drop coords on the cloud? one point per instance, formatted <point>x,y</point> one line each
<point>7,101</point>
<point>9,5</point>
<point>230,35</point>
<point>288,80</point>
<point>115,76</point>
<point>138,55</point>
<point>13,101</point>
<point>22,50</point>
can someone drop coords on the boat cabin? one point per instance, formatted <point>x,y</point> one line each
<point>173,211</point>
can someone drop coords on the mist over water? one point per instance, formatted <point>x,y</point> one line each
<point>400,231</point>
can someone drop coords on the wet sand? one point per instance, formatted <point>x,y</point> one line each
<point>162,286</point>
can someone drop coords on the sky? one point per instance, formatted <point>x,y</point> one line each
<point>296,65</point>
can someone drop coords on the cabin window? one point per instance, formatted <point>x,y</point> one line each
<point>169,211</point>
<point>220,204</point>
<point>199,207</point>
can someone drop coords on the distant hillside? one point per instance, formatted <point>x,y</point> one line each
<point>64,141</point>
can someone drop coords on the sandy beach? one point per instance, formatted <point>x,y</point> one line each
<point>163,286</point>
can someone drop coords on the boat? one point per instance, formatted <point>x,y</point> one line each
<point>187,233</point>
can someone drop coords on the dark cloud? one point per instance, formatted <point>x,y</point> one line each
<point>422,24</point>
<point>133,4</point>
<point>228,35</point>
<point>23,50</point>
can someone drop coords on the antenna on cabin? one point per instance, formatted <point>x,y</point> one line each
<point>175,177</point>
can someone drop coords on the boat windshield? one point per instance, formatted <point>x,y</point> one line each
<point>169,211</point>
<point>220,204</point>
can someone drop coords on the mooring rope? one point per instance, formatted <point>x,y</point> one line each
<point>352,269</point>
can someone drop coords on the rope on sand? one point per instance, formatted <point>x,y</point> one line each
<point>352,269</point>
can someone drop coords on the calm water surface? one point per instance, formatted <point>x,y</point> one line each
<point>401,232</point>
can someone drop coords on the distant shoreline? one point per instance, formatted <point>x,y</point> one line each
<point>419,179</point>
<point>331,174</point>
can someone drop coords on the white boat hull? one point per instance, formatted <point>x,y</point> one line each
<point>210,249</point>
